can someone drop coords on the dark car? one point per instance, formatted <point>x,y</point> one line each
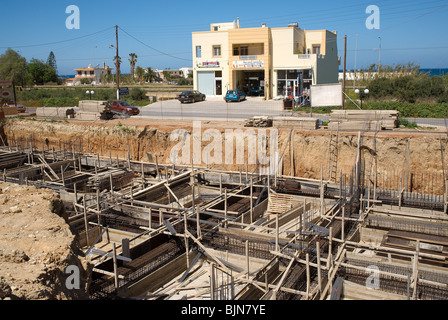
<point>20,108</point>
<point>235,95</point>
<point>191,96</point>
<point>123,107</point>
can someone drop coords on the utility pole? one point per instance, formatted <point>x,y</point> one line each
<point>379,57</point>
<point>356,54</point>
<point>345,65</point>
<point>117,64</point>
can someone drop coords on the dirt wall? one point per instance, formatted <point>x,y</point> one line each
<point>311,151</point>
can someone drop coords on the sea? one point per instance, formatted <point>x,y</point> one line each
<point>430,71</point>
<point>435,72</point>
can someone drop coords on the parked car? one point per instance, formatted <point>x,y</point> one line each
<point>123,107</point>
<point>235,95</point>
<point>20,108</point>
<point>191,96</point>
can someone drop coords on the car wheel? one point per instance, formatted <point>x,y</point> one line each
<point>203,98</point>
<point>123,111</point>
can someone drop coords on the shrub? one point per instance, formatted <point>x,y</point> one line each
<point>137,94</point>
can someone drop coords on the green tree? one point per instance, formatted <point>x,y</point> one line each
<point>41,72</point>
<point>51,61</point>
<point>139,72</point>
<point>150,75</point>
<point>133,61</point>
<point>13,68</point>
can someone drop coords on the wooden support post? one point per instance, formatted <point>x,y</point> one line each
<point>111,180</point>
<point>321,190</point>
<point>62,175</point>
<point>308,281</point>
<point>212,281</point>
<point>187,249</point>
<point>276,233</point>
<point>115,266</point>
<point>76,193</point>
<point>150,219</point>
<point>251,201</point>
<point>415,270</point>
<point>143,176</point>
<point>247,258</point>
<point>198,223</point>
<point>225,207</point>
<point>343,224</point>
<point>407,163</point>
<point>157,169</point>
<point>319,271</point>
<point>85,219</point>
<point>220,183</point>
<point>330,249</point>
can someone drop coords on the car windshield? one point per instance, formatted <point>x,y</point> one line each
<point>124,103</point>
<point>230,92</point>
<point>186,92</point>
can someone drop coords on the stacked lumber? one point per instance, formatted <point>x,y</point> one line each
<point>297,122</point>
<point>93,106</point>
<point>363,119</point>
<point>93,110</point>
<point>55,113</point>
<point>258,121</point>
<point>88,116</point>
<point>8,111</point>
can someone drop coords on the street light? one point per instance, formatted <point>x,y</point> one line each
<point>379,57</point>
<point>362,94</point>
<point>90,93</point>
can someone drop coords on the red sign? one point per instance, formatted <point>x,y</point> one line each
<point>5,83</point>
<point>5,93</point>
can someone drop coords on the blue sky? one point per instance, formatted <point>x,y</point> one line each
<point>410,31</point>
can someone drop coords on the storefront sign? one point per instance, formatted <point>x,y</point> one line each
<point>248,57</point>
<point>208,64</point>
<point>248,64</point>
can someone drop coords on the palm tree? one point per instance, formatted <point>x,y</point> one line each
<point>149,75</point>
<point>139,72</point>
<point>133,61</point>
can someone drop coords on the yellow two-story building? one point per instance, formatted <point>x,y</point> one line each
<point>263,61</point>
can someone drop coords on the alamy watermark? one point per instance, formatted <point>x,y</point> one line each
<point>373,20</point>
<point>373,281</point>
<point>73,280</point>
<point>73,20</point>
<point>214,147</point>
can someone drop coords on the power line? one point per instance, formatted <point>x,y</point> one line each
<point>146,45</point>
<point>55,42</point>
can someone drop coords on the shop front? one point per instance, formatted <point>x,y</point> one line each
<point>294,83</point>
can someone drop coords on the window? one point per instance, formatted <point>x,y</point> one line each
<point>236,50</point>
<point>316,48</point>
<point>217,51</point>
<point>198,52</point>
<point>244,50</point>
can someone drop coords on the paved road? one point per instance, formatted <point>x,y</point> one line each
<point>218,109</point>
<point>213,109</point>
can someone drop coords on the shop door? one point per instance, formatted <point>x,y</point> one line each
<point>206,82</point>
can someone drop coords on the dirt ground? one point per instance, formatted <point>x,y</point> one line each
<point>36,246</point>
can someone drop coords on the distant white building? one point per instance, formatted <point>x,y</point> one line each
<point>186,72</point>
<point>92,74</point>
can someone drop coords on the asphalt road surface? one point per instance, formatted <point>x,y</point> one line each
<point>218,109</point>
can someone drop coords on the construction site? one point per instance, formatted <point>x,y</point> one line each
<point>345,215</point>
